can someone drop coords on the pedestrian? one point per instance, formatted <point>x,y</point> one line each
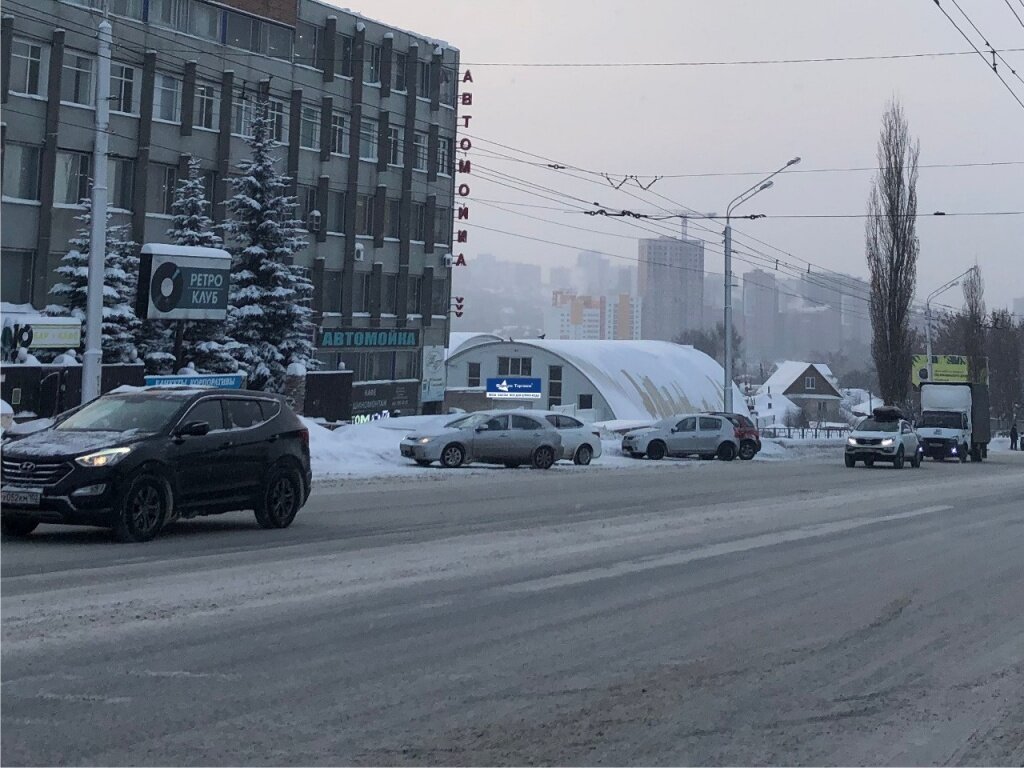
<point>1013,437</point>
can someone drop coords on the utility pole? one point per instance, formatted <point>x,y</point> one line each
<point>738,200</point>
<point>92,370</point>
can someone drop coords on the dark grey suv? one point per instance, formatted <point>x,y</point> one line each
<point>135,461</point>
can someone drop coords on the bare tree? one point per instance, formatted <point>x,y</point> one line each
<point>892,249</point>
<point>974,325</point>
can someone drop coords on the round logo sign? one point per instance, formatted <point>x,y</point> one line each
<point>166,286</point>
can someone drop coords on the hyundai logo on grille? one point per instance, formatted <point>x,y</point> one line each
<point>28,466</point>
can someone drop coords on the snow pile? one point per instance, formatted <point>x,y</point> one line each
<point>357,450</point>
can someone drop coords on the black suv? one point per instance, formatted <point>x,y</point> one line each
<point>134,461</point>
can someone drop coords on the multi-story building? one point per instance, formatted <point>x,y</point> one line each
<point>670,282</point>
<point>365,113</point>
<point>761,316</point>
<point>582,317</point>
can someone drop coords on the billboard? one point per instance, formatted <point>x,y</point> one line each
<point>946,369</point>
<point>514,388</point>
<point>434,375</point>
<point>178,282</point>
<point>219,380</point>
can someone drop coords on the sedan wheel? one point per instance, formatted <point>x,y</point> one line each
<point>452,456</point>
<point>748,450</point>
<point>727,451</point>
<point>656,451</point>
<point>583,455</point>
<point>543,458</point>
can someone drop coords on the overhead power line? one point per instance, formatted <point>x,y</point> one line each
<point>963,34</point>
<point>722,63</point>
<point>1014,11</point>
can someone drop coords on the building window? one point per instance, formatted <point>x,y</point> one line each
<point>515,366</point>
<point>21,171</point>
<point>122,88</point>
<point>401,61</point>
<point>167,98</point>
<point>343,56</point>
<point>413,306</point>
<point>586,402</point>
<point>810,382</point>
<point>76,83</point>
<point>368,139</point>
<point>121,173</point>
<point>443,226</point>
<point>309,132</point>
<point>305,204</point>
<point>440,298</point>
<point>420,144</point>
<point>26,68</point>
<point>16,265</point>
<point>71,183</point>
<point>396,150</point>
<point>444,156</point>
<point>339,133</point>
<point>407,365</point>
<point>307,44</point>
<point>448,86</point>
<point>331,290</point>
<point>205,21</point>
<point>418,225</point>
<point>279,42</point>
<point>554,386</point>
<point>364,214</point>
<point>371,63</point>
<point>130,8</point>
<point>169,13</point>
<point>361,294</point>
<point>392,218</point>
<point>335,211</point>
<point>209,183</point>
<point>243,112</point>
<point>207,107</point>
<point>389,299</point>
<point>473,375</point>
<point>276,114</point>
<point>161,194</point>
<point>423,79</point>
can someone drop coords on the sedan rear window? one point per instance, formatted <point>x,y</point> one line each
<point>243,414</point>
<point>124,414</point>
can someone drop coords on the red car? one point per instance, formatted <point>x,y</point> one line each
<point>746,433</point>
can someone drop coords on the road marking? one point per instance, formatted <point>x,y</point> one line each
<point>183,673</point>
<point>715,550</point>
<point>91,698</point>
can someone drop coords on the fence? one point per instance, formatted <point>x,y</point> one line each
<point>46,390</point>
<point>804,432</point>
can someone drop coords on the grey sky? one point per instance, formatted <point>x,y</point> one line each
<point>672,120</point>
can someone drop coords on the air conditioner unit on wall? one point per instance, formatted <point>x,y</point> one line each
<point>360,252</point>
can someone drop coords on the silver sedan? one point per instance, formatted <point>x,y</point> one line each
<point>511,438</point>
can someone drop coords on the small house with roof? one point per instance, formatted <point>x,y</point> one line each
<point>809,386</point>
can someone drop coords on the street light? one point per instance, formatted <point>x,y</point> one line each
<point>928,313</point>
<point>761,186</point>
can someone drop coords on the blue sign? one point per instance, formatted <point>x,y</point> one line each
<point>513,388</point>
<point>218,380</point>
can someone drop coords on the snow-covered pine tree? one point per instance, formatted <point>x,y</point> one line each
<point>269,312</point>
<point>204,343</point>
<point>121,326</point>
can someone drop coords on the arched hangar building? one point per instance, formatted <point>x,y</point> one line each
<point>596,380</point>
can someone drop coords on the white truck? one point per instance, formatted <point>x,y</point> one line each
<point>954,421</point>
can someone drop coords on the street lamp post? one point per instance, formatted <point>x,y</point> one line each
<point>928,315</point>
<point>762,185</point>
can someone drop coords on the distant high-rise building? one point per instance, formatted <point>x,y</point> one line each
<point>670,281</point>
<point>576,317</point>
<point>761,315</point>
<point>1018,308</point>
<point>622,317</point>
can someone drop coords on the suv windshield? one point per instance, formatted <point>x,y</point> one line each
<point>874,425</point>
<point>123,414</point>
<point>940,420</point>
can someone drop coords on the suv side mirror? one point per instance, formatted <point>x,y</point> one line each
<point>482,427</point>
<point>193,429</point>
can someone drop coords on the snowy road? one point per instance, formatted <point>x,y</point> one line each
<point>763,612</point>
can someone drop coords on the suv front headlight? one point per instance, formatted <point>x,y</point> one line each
<point>851,441</point>
<point>887,442</point>
<point>105,458</point>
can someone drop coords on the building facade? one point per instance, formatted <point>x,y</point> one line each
<point>365,113</point>
<point>670,280</point>
<point>761,316</point>
<point>591,318</point>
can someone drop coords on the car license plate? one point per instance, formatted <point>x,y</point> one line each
<point>21,497</point>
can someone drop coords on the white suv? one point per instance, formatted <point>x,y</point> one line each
<point>698,434</point>
<point>884,436</point>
